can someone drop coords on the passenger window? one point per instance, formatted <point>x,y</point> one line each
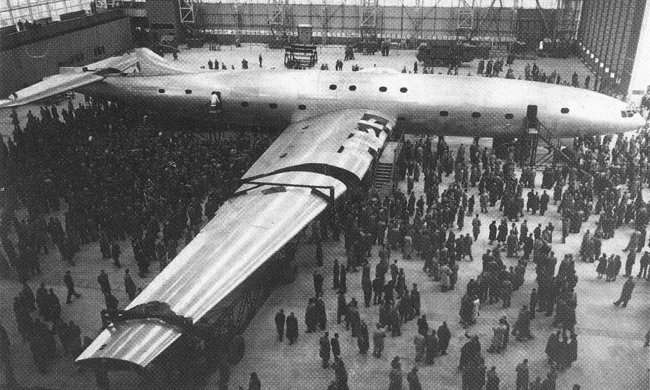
<point>444,113</point>
<point>509,116</point>
<point>302,107</point>
<point>564,110</point>
<point>403,90</point>
<point>332,87</point>
<point>476,115</point>
<point>382,89</point>
<point>244,104</point>
<point>353,88</point>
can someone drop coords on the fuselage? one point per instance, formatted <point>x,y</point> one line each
<point>429,104</point>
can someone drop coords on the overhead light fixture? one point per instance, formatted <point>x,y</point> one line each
<point>606,70</point>
<point>602,65</point>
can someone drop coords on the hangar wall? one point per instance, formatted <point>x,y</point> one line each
<point>608,37</point>
<point>344,19</point>
<point>640,80</point>
<point>26,58</point>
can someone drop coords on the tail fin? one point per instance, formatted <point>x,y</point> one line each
<point>151,64</point>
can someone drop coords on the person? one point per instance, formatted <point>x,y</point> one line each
<point>260,59</point>
<point>115,254</point>
<point>292,328</point>
<point>470,352</point>
<point>129,285</point>
<point>395,375</point>
<point>336,345</point>
<point>325,350</point>
<point>69,284</point>
<point>431,347</point>
<point>492,379</point>
<point>626,293</point>
<point>522,375</point>
<point>335,275</point>
<point>444,336</point>
<point>318,284</point>
<point>254,383</point>
<point>498,339</point>
<point>420,347</point>
<point>104,283</point>
<point>476,227</point>
<point>340,374</point>
<point>378,341</point>
<point>279,324</point>
<point>413,379</point>
<point>363,341</point>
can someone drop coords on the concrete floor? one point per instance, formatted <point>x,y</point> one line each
<point>610,356</point>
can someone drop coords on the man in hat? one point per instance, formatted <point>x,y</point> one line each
<point>413,379</point>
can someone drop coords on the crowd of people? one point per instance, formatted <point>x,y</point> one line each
<point>424,228</point>
<point>99,173</point>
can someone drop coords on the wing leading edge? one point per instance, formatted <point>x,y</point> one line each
<point>332,151</point>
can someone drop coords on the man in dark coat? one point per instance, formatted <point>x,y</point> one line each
<point>115,254</point>
<point>279,324</point>
<point>321,314</point>
<point>444,335</point>
<point>493,232</point>
<point>432,348</point>
<point>69,284</point>
<point>335,274</point>
<point>522,375</point>
<point>336,345</point>
<point>366,286</point>
<point>413,379</point>
<point>470,352</point>
<point>363,341</point>
<point>105,285</point>
<point>292,328</point>
<point>325,348</point>
<point>318,284</point>
<point>626,293</point>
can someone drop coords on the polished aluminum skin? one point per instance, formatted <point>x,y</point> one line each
<point>335,122</point>
<point>248,229</point>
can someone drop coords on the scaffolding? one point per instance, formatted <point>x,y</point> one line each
<point>186,10</point>
<point>416,18</point>
<point>568,18</point>
<point>325,15</point>
<point>465,19</point>
<point>280,18</point>
<point>368,11</point>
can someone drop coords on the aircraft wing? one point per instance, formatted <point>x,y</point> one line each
<point>331,151</point>
<point>50,86</point>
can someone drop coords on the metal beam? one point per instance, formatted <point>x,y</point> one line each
<point>186,9</point>
<point>541,15</point>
